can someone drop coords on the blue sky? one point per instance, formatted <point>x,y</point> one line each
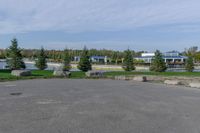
<point>111,24</point>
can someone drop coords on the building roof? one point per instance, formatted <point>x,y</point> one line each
<point>168,57</point>
<point>99,57</point>
<point>172,52</point>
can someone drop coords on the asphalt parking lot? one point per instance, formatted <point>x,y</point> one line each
<point>97,106</point>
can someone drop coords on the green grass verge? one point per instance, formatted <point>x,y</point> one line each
<point>187,74</point>
<point>5,75</point>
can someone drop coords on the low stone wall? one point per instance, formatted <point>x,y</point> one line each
<point>20,73</point>
<point>60,73</point>
<point>140,78</point>
<point>194,84</point>
<point>95,74</point>
<point>170,80</point>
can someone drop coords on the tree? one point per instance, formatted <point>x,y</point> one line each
<point>41,62</point>
<point>2,54</point>
<point>158,64</point>
<point>66,60</point>
<point>189,64</point>
<point>128,64</point>
<point>85,64</point>
<point>15,59</point>
<point>197,57</point>
<point>191,51</point>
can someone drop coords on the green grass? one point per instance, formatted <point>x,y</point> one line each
<point>5,75</point>
<point>187,74</point>
<point>77,75</point>
<point>42,73</point>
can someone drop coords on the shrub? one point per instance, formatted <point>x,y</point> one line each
<point>41,62</point>
<point>85,64</point>
<point>189,64</point>
<point>66,60</point>
<point>15,59</point>
<point>158,64</point>
<point>128,64</point>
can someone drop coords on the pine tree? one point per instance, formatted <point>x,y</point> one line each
<point>128,64</point>
<point>189,64</point>
<point>41,62</point>
<point>15,59</point>
<point>158,64</point>
<point>85,64</point>
<point>66,60</point>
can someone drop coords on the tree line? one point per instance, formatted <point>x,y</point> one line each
<point>114,57</point>
<point>15,55</point>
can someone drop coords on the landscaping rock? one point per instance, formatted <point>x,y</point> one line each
<point>94,74</point>
<point>140,78</point>
<point>20,73</point>
<point>194,84</point>
<point>120,78</point>
<point>172,82</point>
<point>60,73</point>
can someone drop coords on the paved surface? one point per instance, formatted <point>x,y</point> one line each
<point>97,106</point>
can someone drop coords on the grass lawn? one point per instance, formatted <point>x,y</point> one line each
<point>5,75</point>
<point>49,74</point>
<point>187,74</point>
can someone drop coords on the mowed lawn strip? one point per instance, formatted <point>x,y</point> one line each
<point>5,75</point>
<point>186,74</point>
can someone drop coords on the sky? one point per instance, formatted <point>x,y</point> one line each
<point>111,24</point>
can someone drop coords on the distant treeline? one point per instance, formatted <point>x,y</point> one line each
<point>56,55</point>
<point>114,56</point>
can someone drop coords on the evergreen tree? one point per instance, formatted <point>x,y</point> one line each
<point>15,59</point>
<point>128,64</point>
<point>158,64</point>
<point>85,64</point>
<point>41,62</point>
<point>66,60</point>
<point>189,64</point>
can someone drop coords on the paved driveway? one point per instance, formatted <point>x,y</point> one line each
<point>97,106</point>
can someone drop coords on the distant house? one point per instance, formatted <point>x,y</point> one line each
<point>94,59</point>
<point>76,58</point>
<point>172,57</point>
<point>99,59</point>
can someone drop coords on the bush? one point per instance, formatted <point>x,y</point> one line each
<point>158,64</point>
<point>41,62</point>
<point>128,64</point>
<point>189,64</point>
<point>85,64</point>
<point>66,61</point>
<point>15,59</point>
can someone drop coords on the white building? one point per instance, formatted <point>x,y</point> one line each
<point>94,59</point>
<point>169,57</point>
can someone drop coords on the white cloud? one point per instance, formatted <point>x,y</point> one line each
<point>18,16</point>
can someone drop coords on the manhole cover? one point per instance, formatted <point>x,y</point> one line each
<point>16,94</point>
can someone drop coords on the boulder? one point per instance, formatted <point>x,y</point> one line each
<point>140,78</point>
<point>172,82</point>
<point>94,74</point>
<point>194,84</point>
<point>120,78</point>
<point>20,73</point>
<point>60,73</point>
